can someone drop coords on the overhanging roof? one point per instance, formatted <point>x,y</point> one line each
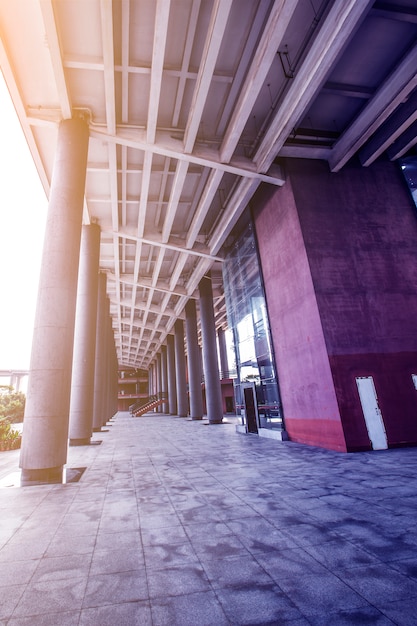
<point>191,105</point>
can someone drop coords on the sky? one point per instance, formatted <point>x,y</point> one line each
<point>23,207</point>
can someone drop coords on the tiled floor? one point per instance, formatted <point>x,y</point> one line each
<point>175,522</point>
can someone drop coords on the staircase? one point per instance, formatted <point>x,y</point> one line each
<point>143,406</point>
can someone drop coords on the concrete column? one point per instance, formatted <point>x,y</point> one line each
<point>210,361</point>
<point>164,379</point>
<point>182,402</point>
<point>109,365</point>
<point>159,377</point>
<point>106,412</point>
<point>154,382</point>
<point>116,380</point>
<point>44,444</point>
<point>112,374</point>
<point>83,362</point>
<point>172,386</point>
<point>150,379</point>
<point>101,350</point>
<point>194,361</point>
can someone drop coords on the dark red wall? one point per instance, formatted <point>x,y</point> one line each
<point>359,232</point>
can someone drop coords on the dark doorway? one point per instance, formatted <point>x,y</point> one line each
<point>251,409</point>
<point>229,404</point>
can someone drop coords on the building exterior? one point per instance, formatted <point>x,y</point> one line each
<point>340,292</point>
<point>133,385</point>
<point>243,165</point>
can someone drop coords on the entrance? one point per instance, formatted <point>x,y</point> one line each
<point>372,413</point>
<point>251,407</point>
<point>230,407</point>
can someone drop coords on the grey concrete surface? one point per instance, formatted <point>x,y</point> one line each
<point>177,522</point>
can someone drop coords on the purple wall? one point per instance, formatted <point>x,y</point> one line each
<point>307,392</point>
<point>358,229</point>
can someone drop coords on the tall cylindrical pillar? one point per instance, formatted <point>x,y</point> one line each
<point>159,378</point>
<point>45,437</point>
<point>164,379</point>
<point>172,386</point>
<point>182,402</point>
<point>194,362</point>
<point>108,366</point>
<point>112,372</point>
<point>83,362</point>
<point>101,351</point>
<point>210,361</point>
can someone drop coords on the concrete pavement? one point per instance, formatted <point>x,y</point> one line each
<point>175,522</point>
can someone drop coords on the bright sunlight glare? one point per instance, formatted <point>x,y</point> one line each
<point>23,208</point>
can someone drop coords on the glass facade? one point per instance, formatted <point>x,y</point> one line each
<point>248,319</point>
<point>409,169</point>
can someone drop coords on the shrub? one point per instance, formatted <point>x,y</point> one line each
<point>12,404</point>
<point>10,439</point>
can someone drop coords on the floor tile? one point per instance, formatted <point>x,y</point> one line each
<point>176,581</point>
<point>105,589</point>
<point>176,523</point>
<point>51,596</point>
<point>257,604</point>
<point>125,614</point>
<point>235,571</point>
<point>321,594</point>
<point>202,609</point>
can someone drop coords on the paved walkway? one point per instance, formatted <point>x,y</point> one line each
<point>176,522</point>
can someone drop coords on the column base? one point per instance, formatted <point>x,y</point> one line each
<point>197,418</point>
<point>216,421</point>
<point>46,476</point>
<point>80,442</point>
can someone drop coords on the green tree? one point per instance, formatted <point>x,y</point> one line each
<point>12,404</point>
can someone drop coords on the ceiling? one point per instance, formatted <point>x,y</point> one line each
<point>192,104</point>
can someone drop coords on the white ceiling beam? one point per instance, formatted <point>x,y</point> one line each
<point>199,250</point>
<point>202,267</point>
<point>176,190</point>
<point>157,266</point>
<point>237,203</point>
<point>185,63</point>
<point>125,59</point>
<point>389,96</point>
<point>106,16</point>
<point>106,13</point>
<point>214,40</point>
<point>158,54</point>
<point>179,266</point>
<point>339,25</point>
<point>146,283</point>
<point>219,17</point>
<point>205,158</point>
<point>144,192</point>
<point>148,326</point>
<point>75,62</point>
<point>52,38</point>
<point>154,308</point>
<point>209,192</point>
<point>266,52</point>
<point>250,38</point>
